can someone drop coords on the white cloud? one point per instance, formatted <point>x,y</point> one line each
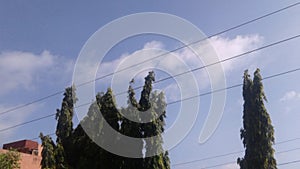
<point>23,70</point>
<point>226,48</point>
<point>186,59</point>
<point>170,94</point>
<point>153,45</point>
<point>290,95</point>
<point>231,166</point>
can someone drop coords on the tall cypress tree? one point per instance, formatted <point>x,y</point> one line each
<point>86,153</point>
<point>156,128</point>
<point>155,107</point>
<point>132,129</point>
<point>258,132</point>
<point>75,149</point>
<point>64,129</point>
<point>64,116</point>
<point>112,116</point>
<point>48,160</point>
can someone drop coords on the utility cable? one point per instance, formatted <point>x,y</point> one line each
<point>176,49</point>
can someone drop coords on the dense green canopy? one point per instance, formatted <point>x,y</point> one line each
<point>258,132</point>
<point>74,149</point>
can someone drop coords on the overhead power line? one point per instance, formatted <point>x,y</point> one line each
<point>218,62</point>
<point>184,99</point>
<point>27,122</point>
<point>207,158</point>
<point>176,49</point>
<point>237,152</point>
<point>221,61</point>
<point>32,102</point>
<point>36,138</point>
<point>290,162</point>
<point>226,154</point>
<point>219,165</point>
<point>234,162</point>
<point>233,86</point>
<point>281,142</point>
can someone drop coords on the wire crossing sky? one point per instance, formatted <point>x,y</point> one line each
<point>184,46</point>
<point>177,101</point>
<point>40,43</point>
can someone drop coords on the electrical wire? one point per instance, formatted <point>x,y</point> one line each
<point>36,138</point>
<point>234,162</point>
<point>27,122</point>
<point>290,162</point>
<point>176,49</point>
<point>227,154</point>
<point>188,98</point>
<point>221,61</point>
<point>237,152</point>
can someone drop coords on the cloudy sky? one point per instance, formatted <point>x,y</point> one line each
<point>41,41</point>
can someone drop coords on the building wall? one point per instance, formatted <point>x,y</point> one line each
<point>24,146</point>
<point>28,161</point>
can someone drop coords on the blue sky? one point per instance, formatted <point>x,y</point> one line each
<point>40,42</point>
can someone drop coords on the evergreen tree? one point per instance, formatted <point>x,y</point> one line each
<point>132,129</point>
<point>258,132</point>
<point>156,128</point>
<point>154,106</point>
<point>64,116</point>
<point>112,116</point>
<point>75,149</point>
<point>86,153</point>
<point>64,129</point>
<point>57,154</point>
<point>48,160</point>
<point>60,157</point>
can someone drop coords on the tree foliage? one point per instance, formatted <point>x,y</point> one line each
<point>74,148</point>
<point>48,160</point>
<point>86,153</point>
<point>10,160</point>
<point>64,129</point>
<point>61,152</point>
<point>258,132</point>
<point>154,106</point>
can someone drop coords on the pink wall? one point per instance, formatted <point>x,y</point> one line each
<point>28,161</point>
